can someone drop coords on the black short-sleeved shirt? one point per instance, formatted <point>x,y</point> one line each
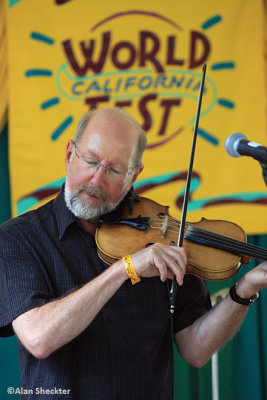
<point>126,352</point>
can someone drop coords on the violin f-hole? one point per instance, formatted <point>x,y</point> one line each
<point>161,215</point>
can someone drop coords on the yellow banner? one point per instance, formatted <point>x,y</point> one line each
<point>66,57</point>
<point>3,68</point>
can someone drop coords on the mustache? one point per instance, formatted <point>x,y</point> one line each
<point>94,191</point>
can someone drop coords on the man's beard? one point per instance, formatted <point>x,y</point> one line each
<point>86,209</point>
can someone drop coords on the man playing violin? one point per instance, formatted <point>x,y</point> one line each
<point>88,330</point>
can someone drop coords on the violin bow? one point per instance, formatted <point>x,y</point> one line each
<point>174,286</point>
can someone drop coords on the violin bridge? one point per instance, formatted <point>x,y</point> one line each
<point>164,226</point>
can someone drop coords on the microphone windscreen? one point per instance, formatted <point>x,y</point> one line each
<point>231,143</point>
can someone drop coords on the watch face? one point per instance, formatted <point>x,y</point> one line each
<point>253,298</point>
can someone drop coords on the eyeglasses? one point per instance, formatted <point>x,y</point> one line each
<point>114,173</point>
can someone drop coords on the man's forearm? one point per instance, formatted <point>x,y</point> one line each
<point>45,329</point>
<point>200,340</point>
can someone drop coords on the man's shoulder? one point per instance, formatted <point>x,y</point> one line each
<point>29,219</point>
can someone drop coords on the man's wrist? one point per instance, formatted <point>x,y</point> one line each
<point>246,301</point>
<point>120,269</point>
<point>129,268</point>
<point>244,290</point>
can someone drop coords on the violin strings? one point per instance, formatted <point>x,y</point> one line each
<point>225,243</point>
<point>168,229</point>
<point>171,221</point>
<point>213,239</point>
<point>239,244</point>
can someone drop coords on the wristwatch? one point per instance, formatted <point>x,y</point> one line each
<point>241,300</point>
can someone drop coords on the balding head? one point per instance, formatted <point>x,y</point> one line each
<point>113,114</point>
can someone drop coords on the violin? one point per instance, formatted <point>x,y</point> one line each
<point>215,249</point>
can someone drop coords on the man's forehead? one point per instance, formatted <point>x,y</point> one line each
<point>112,116</point>
<point>109,140</point>
<point>113,126</point>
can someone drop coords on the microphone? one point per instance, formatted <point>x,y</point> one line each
<point>238,145</point>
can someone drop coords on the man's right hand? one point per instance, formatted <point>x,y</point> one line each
<point>161,260</point>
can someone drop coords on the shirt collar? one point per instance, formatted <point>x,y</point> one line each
<point>63,215</point>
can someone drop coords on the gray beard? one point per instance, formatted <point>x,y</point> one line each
<point>86,209</point>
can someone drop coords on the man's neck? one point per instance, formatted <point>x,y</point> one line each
<point>89,225</point>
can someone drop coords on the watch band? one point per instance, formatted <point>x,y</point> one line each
<point>241,300</point>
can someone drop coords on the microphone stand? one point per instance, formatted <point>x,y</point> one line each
<point>264,171</point>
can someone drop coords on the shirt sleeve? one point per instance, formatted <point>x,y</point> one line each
<point>24,282</point>
<point>192,301</point>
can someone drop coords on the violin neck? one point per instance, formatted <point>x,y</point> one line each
<point>201,236</point>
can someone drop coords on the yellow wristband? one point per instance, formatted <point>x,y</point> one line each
<point>130,270</point>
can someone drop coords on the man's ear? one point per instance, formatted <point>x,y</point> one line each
<point>68,154</point>
<point>138,171</point>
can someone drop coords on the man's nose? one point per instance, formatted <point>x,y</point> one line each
<point>99,176</point>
